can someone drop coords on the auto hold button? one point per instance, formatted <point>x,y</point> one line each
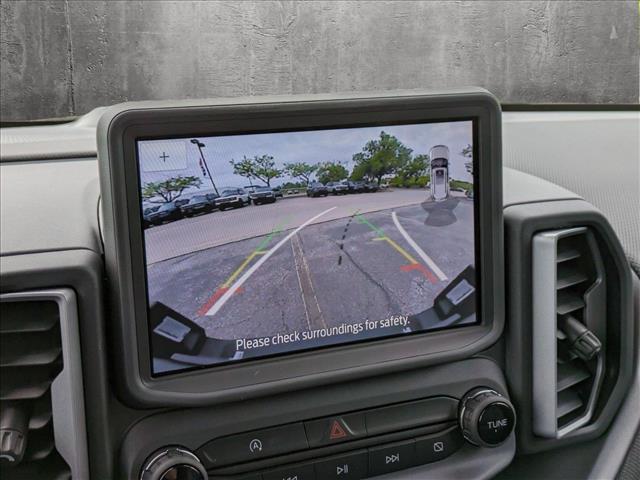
<point>245,447</point>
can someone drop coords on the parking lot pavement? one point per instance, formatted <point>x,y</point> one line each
<point>346,266</point>
<point>218,228</point>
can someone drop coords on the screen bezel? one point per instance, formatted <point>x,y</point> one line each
<point>476,244</point>
<point>124,255</point>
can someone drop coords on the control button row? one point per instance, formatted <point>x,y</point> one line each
<point>377,421</point>
<point>249,446</point>
<point>369,462</point>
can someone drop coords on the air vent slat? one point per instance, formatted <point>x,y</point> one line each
<point>569,275</point>
<point>30,360</point>
<point>567,254</point>
<point>9,358</point>
<point>570,374</point>
<point>28,316</point>
<point>40,451</point>
<point>568,401</point>
<point>568,281</point>
<point>568,302</point>
<point>39,421</point>
<point>40,412</point>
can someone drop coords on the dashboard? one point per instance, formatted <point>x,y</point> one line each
<point>184,313</point>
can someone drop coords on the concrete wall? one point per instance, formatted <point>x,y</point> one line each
<point>66,57</point>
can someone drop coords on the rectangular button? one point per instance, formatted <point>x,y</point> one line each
<point>245,447</point>
<point>296,472</point>
<point>350,466</point>
<point>432,448</point>
<point>330,430</point>
<point>410,415</point>
<point>392,457</point>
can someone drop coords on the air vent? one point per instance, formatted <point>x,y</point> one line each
<point>569,328</point>
<point>42,432</point>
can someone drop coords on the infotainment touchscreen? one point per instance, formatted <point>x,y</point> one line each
<point>271,243</point>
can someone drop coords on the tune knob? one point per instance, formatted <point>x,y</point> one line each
<point>486,417</point>
<point>173,463</point>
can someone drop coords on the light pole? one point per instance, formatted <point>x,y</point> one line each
<point>200,145</point>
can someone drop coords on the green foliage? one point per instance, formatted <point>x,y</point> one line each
<point>300,170</point>
<point>331,172</point>
<point>359,173</point>
<point>289,185</point>
<point>467,152</point>
<point>415,182</point>
<point>262,168</point>
<point>382,156</point>
<point>414,168</point>
<point>460,184</point>
<point>169,189</point>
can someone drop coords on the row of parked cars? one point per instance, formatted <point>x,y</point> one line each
<point>317,189</point>
<point>240,197</point>
<point>206,203</point>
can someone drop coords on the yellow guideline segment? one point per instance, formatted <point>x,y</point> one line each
<point>383,236</point>
<point>401,250</point>
<point>258,251</point>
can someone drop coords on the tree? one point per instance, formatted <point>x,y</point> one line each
<point>261,168</point>
<point>300,170</point>
<point>359,172</point>
<point>414,168</point>
<point>169,189</point>
<point>381,157</point>
<point>331,172</point>
<point>467,152</point>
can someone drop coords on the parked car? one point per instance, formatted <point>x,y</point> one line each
<point>277,191</point>
<point>199,204</point>
<point>359,187</point>
<point>262,195</point>
<point>337,188</point>
<point>250,188</point>
<point>181,202</point>
<point>316,189</point>
<point>354,187</point>
<point>371,187</point>
<point>232,198</point>
<point>145,215</point>
<point>167,212</point>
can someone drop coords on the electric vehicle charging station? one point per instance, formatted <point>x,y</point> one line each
<point>439,156</point>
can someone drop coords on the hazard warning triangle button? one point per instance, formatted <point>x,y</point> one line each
<point>337,431</point>
<point>330,430</point>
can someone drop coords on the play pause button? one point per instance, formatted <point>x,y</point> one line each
<point>392,457</point>
<point>350,466</point>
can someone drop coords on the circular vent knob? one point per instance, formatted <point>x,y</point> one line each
<point>173,463</point>
<point>486,417</point>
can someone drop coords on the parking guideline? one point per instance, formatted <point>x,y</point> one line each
<point>413,263</point>
<point>259,250</point>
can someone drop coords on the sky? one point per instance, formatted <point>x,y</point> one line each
<point>162,159</point>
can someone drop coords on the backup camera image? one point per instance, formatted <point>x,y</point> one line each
<point>263,244</point>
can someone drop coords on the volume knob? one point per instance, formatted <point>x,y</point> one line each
<point>173,463</point>
<point>486,417</point>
